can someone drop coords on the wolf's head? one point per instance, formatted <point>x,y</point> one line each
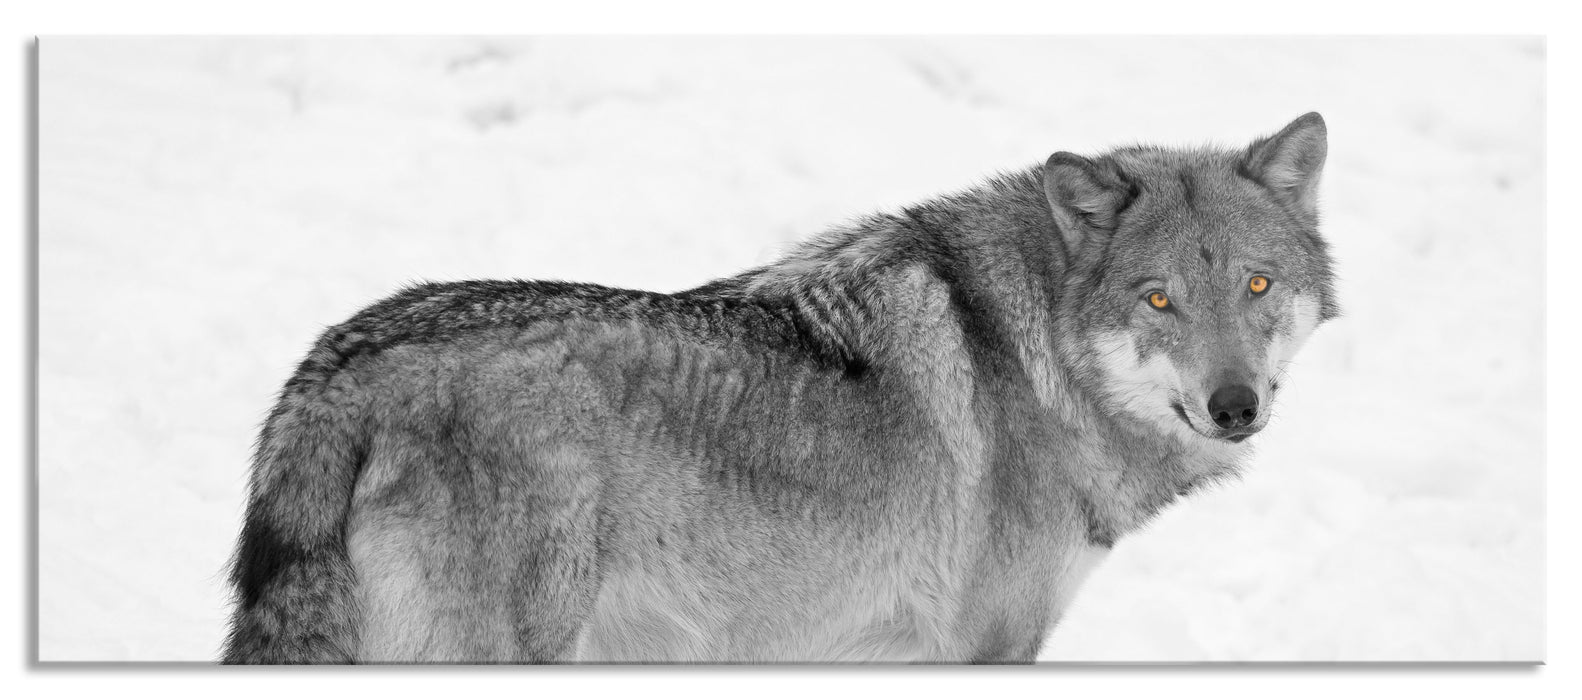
<point>1193,275</point>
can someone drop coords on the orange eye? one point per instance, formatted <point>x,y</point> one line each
<point>1259,284</point>
<point>1159,300</point>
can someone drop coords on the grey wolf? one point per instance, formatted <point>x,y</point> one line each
<point>909,439</point>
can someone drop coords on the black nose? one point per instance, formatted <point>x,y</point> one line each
<point>1233,406</point>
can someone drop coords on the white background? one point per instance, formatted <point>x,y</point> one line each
<point>207,206</point>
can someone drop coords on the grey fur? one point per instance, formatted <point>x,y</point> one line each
<point>909,439</point>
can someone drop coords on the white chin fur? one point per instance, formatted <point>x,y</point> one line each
<point>1142,389</point>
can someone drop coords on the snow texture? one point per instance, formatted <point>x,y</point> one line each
<point>207,206</point>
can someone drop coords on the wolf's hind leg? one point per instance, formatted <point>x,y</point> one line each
<point>428,597</point>
<point>500,566</point>
<point>550,603</point>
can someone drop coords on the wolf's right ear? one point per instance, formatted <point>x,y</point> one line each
<point>1085,196</point>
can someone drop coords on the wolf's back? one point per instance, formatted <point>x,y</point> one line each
<point>294,585</point>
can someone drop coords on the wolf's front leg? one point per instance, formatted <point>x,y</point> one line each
<point>1009,643</point>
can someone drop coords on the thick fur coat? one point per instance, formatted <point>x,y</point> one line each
<point>910,439</point>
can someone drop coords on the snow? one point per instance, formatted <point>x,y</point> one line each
<point>208,205</point>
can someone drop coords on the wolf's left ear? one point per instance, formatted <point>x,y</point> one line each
<point>1290,162</point>
<point>1085,195</point>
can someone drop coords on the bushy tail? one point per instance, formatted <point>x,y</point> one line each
<point>295,589</point>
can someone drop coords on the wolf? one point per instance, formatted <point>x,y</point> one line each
<point>910,439</point>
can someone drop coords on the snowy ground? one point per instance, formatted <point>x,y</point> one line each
<point>207,206</point>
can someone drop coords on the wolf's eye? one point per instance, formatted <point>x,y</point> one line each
<point>1158,300</point>
<point>1259,284</point>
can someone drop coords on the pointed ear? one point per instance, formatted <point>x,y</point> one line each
<point>1289,163</point>
<point>1085,196</point>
